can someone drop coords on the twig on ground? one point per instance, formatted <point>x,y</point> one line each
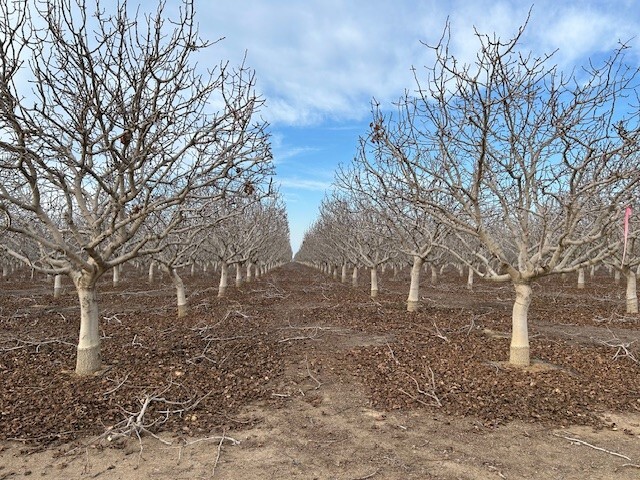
<point>371,475</point>
<point>429,393</point>
<point>392,354</point>
<point>582,442</point>
<point>319,384</point>
<point>215,463</point>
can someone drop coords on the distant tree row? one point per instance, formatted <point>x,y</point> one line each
<point>115,146</point>
<point>506,166</point>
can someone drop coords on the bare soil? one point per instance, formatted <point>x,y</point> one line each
<point>296,375</point>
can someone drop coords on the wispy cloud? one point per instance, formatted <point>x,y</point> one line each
<point>304,184</point>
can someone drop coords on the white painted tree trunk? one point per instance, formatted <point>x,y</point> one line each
<point>88,357</point>
<point>632,291</point>
<point>238,275</point>
<point>354,276</point>
<point>183,308</point>
<point>581,278</point>
<point>151,271</point>
<point>470,279</point>
<point>519,353</point>
<point>5,270</point>
<point>193,269</point>
<point>413,300</point>
<point>249,272</point>
<point>335,272</point>
<point>592,271</point>
<point>374,282</point>
<point>57,286</point>
<point>434,275</point>
<point>343,273</point>
<point>224,272</point>
<point>116,276</point>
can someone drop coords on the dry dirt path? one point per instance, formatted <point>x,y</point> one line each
<point>321,421</point>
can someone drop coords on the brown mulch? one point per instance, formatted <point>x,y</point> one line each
<point>197,373</point>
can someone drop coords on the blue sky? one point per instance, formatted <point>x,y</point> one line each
<point>320,62</point>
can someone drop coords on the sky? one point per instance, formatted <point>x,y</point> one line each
<point>319,64</point>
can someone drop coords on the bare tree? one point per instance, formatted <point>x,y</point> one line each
<point>534,164</point>
<point>115,124</point>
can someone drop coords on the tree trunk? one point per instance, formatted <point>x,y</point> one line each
<point>224,272</point>
<point>616,277</point>
<point>519,354</point>
<point>354,276</point>
<point>88,357</point>
<point>414,288</point>
<point>183,308</point>
<point>116,276</point>
<point>632,292</point>
<point>470,279</point>
<point>5,270</point>
<point>343,273</point>
<point>249,272</point>
<point>374,282</point>
<point>238,275</point>
<point>57,286</point>
<point>151,271</point>
<point>581,278</point>
<point>434,275</point>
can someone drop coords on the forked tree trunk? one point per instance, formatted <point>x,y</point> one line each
<point>519,353</point>
<point>88,354</point>
<point>224,272</point>
<point>343,273</point>
<point>354,276</point>
<point>374,282</point>
<point>57,286</point>
<point>581,278</point>
<point>632,292</point>
<point>238,275</point>
<point>413,299</point>
<point>470,279</point>
<point>183,308</point>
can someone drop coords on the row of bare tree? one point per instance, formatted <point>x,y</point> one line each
<point>116,146</point>
<point>505,165</point>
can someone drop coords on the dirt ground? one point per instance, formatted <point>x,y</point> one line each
<point>296,375</point>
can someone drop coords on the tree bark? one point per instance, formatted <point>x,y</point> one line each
<point>151,271</point>
<point>88,357</point>
<point>222,287</point>
<point>343,276</point>
<point>616,277</point>
<point>434,275</point>
<point>632,292</point>
<point>519,354</point>
<point>414,287</point>
<point>354,276</point>
<point>470,279</point>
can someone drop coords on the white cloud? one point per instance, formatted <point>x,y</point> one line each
<point>304,184</point>
<point>325,59</point>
